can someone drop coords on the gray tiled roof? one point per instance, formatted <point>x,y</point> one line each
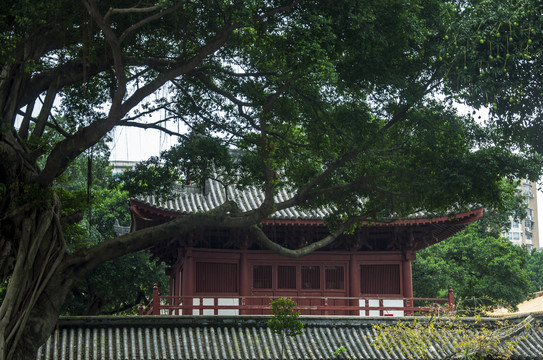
<point>120,230</point>
<point>190,201</point>
<point>238,337</point>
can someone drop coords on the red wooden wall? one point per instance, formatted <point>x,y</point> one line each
<point>231,273</point>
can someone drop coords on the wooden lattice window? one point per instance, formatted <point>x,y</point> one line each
<point>311,277</point>
<point>262,277</point>
<point>286,277</point>
<point>216,277</point>
<point>334,276</point>
<point>380,279</point>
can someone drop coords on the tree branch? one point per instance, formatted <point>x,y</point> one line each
<point>263,240</point>
<point>152,126</point>
<point>115,47</point>
<point>65,74</point>
<point>147,19</point>
<point>69,148</point>
<point>146,112</point>
<point>267,148</point>
<point>45,111</point>
<point>225,215</point>
<point>206,118</point>
<point>25,124</point>
<point>211,86</point>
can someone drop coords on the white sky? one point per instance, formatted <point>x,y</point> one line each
<point>135,144</point>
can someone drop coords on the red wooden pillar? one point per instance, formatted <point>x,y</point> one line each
<point>173,279</point>
<point>244,280</point>
<point>354,283</point>
<point>408,280</point>
<point>450,300</point>
<point>156,300</point>
<point>187,282</point>
<point>175,282</point>
<point>178,268</point>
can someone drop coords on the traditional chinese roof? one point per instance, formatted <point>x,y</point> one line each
<point>292,228</point>
<point>247,337</point>
<point>191,200</point>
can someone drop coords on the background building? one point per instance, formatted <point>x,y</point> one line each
<point>526,232</point>
<point>119,166</point>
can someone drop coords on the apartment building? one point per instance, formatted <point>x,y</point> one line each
<point>526,232</point>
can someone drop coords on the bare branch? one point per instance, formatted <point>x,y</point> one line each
<point>263,240</point>
<point>226,215</point>
<point>25,124</point>
<point>145,113</point>
<point>206,117</point>
<point>69,148</point>
<point>115,46</point>
<point>134,10</point>
<point>211,86</point>
<point>152,126</point>
<point>45,111</point>
<point>65,74</point>
<point>152,62</point>
<point>56,126</point>
<point>147,19</point>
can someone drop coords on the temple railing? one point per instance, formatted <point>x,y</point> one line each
<point>307,305</point>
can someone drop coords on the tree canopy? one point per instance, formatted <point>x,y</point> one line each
<point>346,104</point>
<point>117,286</point>
<point>483,270</point>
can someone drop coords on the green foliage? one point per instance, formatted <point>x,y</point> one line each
<point>498,221</point>
<point>196,158</point>
<point>341,352</point>
<point>339,102</point>
<point>476,266</point>
<point>336,80</point>
<point>285,320</point>
<point>467,338</point>
<point>478,263</point>
<point>492,57</point>
<point>534,266</point>
<point>117,286</point>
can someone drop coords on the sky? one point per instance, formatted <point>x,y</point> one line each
<point>134,144</point>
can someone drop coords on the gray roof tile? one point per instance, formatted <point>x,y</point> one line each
<point>238,337</point>
<point>190,201</point>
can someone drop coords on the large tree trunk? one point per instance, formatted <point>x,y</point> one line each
<point>35,292</point>
<point>32,250</point>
